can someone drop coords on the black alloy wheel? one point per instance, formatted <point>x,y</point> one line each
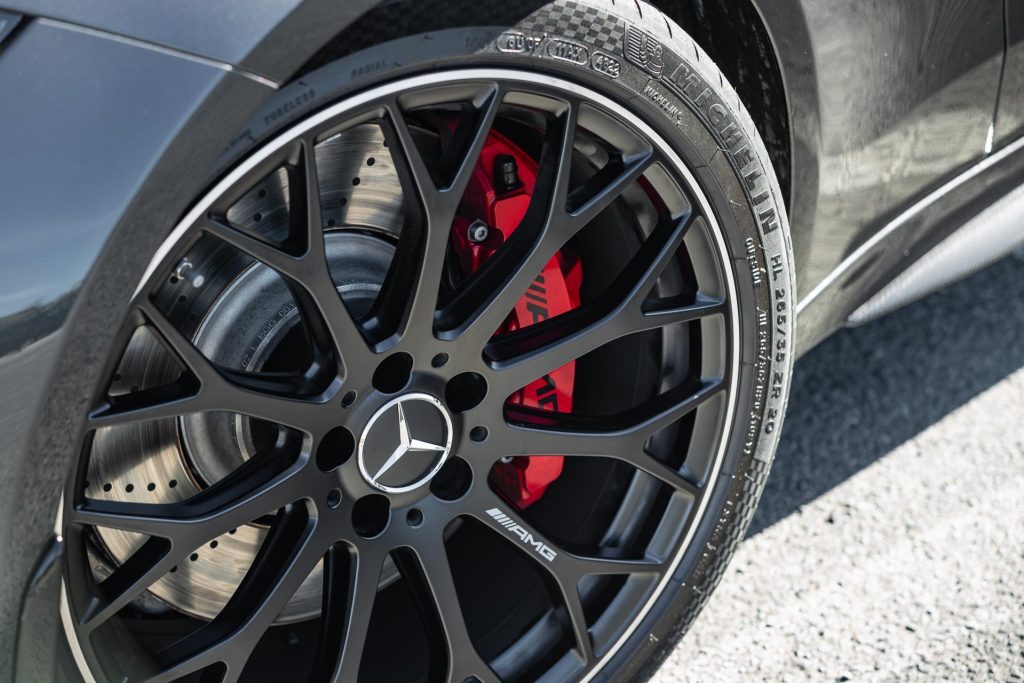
<point>297,455</point>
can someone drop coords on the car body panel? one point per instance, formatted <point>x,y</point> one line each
<point>89,124</point>
<point>225,31</point>
<point>888,99</point>
<point>270,38</point>
<point>1010,117</point>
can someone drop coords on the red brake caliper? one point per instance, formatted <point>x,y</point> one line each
<point>495,202</point>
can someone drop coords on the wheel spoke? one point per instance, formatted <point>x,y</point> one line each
<point>362,594</point>
<point>575,336</point>
<point>283,562</point>
<point>499,515</point>
<point>408,297</point>
<point>260,486</point>
<point>588,201</point>
<point>294,270</point>
<point>150,404</point>
<point>564,569</point>
<point>480,305</point>
<point>437,581</point>
<point>669,311</point>
<point>180,345</point>
<point>536,350</point>
<point>572,435</point>
<point>251,394</point>
<point>271,255</point>
<point>140,571</point>
<point>338,570</point>
<point>302,263</point>
<point>309,220</point>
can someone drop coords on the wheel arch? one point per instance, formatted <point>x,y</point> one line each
<point>736,37</point>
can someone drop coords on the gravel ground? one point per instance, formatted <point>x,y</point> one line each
<point>889,545</point>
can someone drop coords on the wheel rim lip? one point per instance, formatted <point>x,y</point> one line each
<point>528,79</point>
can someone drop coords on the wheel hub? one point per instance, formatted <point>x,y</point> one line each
<point>405,443</point>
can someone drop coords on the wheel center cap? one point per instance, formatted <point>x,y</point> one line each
<point>405,443</point>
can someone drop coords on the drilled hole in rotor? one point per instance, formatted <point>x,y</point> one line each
<point>465,392</point>
<point>335,449</point>
<point>414,517</point>
<point>393,374</point>
<point>370,515</point>
<point>453,480</point>
<point>334,498</point>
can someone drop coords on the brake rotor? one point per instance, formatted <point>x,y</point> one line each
<point>240,313</point>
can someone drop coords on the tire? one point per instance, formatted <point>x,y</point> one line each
<point>638,57</point>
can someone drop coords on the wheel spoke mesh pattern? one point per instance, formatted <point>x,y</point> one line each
<point>215,490</point>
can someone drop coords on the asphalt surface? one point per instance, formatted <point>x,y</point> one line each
<point>889,545</point>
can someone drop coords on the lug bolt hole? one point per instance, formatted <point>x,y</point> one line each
<point>393,374</point>
<point>370,515</point>
<point>478,434</point>
<point>348,399</point>
<point>453,480</point>
<point>414,517</point>
<point>335,449</point>
<point>439,361</point>
<point>465,391</point>
<point>334,498</point>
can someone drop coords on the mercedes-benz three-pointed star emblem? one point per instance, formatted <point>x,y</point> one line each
<point>424,427</point>
<point>406,444</point>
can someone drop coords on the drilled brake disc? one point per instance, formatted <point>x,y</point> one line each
<point>241,313</point>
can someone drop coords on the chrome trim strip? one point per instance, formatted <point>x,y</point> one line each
<point>854,259</point>
<point>990,235</point>
<point>162,49</point>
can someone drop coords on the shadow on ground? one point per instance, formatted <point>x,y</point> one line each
<point>866,390</point>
